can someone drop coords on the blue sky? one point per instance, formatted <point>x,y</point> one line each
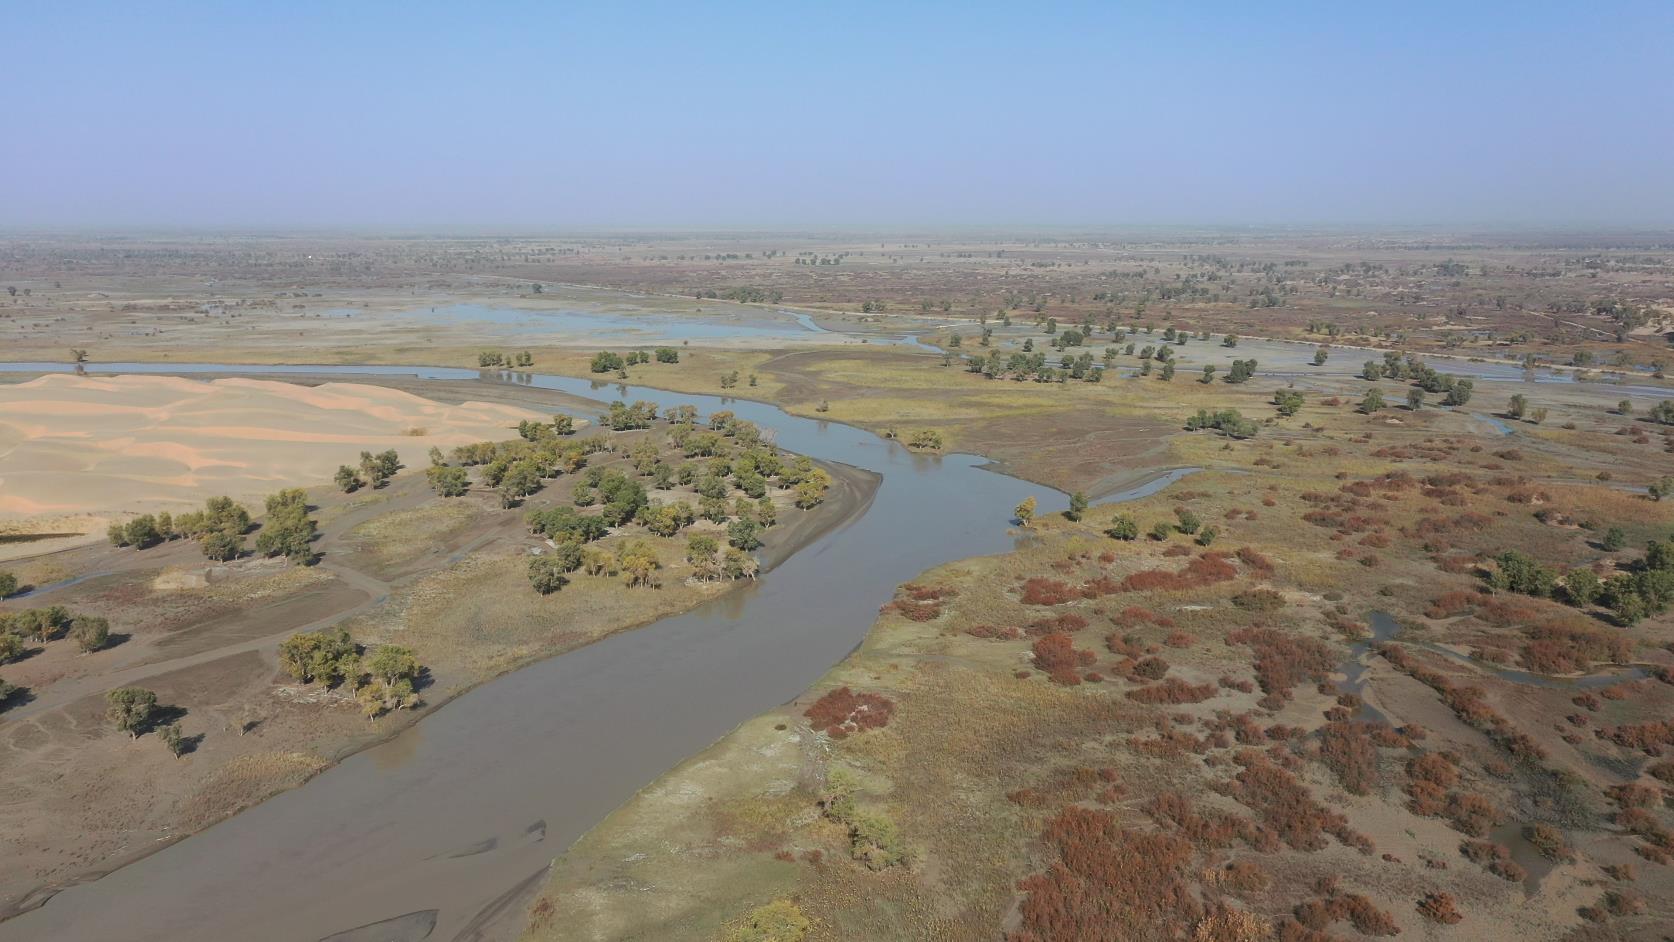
<point>553,115</point>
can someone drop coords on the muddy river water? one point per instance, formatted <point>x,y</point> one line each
<point>437,833</point>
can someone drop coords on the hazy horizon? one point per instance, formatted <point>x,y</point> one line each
<point>869,117</point>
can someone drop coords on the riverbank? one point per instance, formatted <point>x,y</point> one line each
<point>446,578</point>
<point>955,777</point>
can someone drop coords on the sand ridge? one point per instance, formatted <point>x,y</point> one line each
<point>108,445</point>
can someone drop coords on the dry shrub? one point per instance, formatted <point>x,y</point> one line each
<point>1106,883</point>
<point>994,633</point>
<point>1471,813</point>
<point>1495,858</point>
<point>1650,738</point>
<point>1226,924</point>
<point>1179,639</point>
<point>1550,842</point>
<point>1567,648</point>
<point>1125,646</point>
<point>1068,621</point>
<point>1205,570</point>
<point>1452,604</point>
<point>1283,803</point>
<point>1134,615</point>
<point>1150,668</point>
<point>842,711</point>
<point>1069,786</point>
<point>1283,660</point>
<point>1172,690</point>
<point>1347,751</point>
<point>1057,655</point>
<point>1440,907</point>
<point>1042,591</point>
<point>1245,876</point>
<point>1259,600</point>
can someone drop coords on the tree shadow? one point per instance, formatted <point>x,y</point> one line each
<point>162,716</point>
<point>15,697</point>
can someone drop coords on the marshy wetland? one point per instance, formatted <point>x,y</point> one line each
<point>1052,645</point>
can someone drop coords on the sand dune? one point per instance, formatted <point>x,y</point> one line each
<point>111,445</point>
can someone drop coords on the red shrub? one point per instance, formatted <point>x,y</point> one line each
<point>1440,907</point>
<point>1283,660</point>
<point>1069,621</point>
<point>1041,591</point>
<point>1172,690</point>
<point>842,711</point>
<point>1108,883</point>
<point>1056,654</point>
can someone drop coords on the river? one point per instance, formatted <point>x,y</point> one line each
<point>435,832</point>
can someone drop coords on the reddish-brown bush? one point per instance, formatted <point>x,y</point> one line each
<point>842,711</point>
<point>1347,751</point>
<point>1452,604</point>
<point>1207,569</point>
<point>1283,804</point>
<point>1068,621</point>
<point>1179,639</point>
<point>1042,591</point>
<point>1108,883</point>
<point>1495,858</point>
<point>1440,907</point>
<point>1057,655</point>
<point>1172,690</point>
<point>1245,876</point>
<point>1567,648</point>
<point>1150,668</point>
<point>1471,813</point>
<point>1283,660</point>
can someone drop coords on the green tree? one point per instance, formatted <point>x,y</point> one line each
<point>328,656</point>
<point>1077,506</point>
<point>1582,587</point>
<point>1372,403</point>
<point>1320,356</point>
<point>222,545</point>
<point>8,584</point>
<point>1614,539</point>
<point>448,481</point>
<point>742,534</point>
<point>392,663</point>
<point>1459,393</point>
<point>1415,399</point>
<point>1662,487</point>
<point>1518,406</point>
<point>1162,531</point>
<point>1123,527</point>
<point>348,479</point>
<point>130,708</point>
<point>90,633</point>
<point>1287,401</point>
<point>546,574</point>
<point>172,738</point>
<point>288,530</point>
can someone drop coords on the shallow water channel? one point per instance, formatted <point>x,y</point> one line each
<point>435,832</point>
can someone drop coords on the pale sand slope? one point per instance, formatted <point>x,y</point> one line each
<point>79,446</point>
